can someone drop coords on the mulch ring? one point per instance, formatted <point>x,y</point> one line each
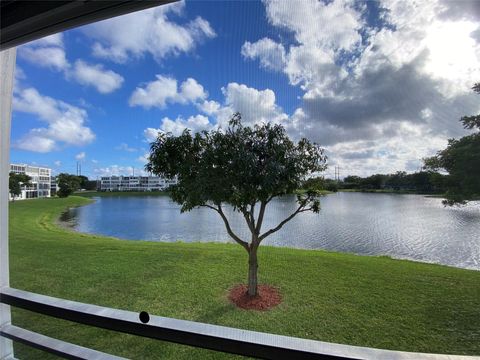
<point>267,297</point>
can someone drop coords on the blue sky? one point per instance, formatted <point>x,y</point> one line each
<point>379,85</point>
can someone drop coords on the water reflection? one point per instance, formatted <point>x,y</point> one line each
<point>401,226</point>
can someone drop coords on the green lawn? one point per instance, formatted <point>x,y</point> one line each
<point>367,301</point>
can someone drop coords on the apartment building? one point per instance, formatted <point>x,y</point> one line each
<point>135,183</point>
<point>40,181</point>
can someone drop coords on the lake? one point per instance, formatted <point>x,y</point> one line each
<point>401,226</point>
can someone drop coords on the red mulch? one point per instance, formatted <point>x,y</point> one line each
<point>267,297</point>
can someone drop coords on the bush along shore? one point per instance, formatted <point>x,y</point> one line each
<point>367,301</point>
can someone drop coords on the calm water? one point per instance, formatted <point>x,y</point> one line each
<point>402,226</point>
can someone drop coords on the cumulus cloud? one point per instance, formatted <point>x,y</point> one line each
<point>270,53</point>
<point>105,81</point>
<point>209,107</point>
<point>165,90</point>
<point>399,85</point>
<point>150,31</point>
<point>47,52</point>
<point>176,127</point>
<point>65,122</point>
<point>256,106</point>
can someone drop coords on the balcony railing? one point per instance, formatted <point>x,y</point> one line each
<point>207,336</point>
<point>47,18</point>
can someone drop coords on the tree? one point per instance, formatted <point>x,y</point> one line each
<point>15,183</point>
<point>87,184</point>
<point>67,184</point>
<point>242,166</point>
<point>461,159</point>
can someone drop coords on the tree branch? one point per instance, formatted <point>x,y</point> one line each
<point>261,213</point>
<point>300,209</point>
<point>247,217</point>
<point>227,225</point>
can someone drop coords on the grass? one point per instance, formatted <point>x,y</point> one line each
<point>367,301</point>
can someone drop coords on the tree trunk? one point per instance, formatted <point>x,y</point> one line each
<point>252,271</point>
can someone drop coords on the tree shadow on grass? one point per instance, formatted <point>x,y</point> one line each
<point>213,316</point>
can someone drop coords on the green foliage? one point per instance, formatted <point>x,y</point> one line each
<point>15,183</point>
<point>461,159</point>
<point>320,184</point>
<point>67,184</point>
<point>240,166</point>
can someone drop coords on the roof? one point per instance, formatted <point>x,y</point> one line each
<point>23,21</point>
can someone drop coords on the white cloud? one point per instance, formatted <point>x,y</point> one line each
<point>156,93</point>
<point>47,52</point>
<point>51,40</point>
<point>125,147</point>
<point>65,122</point>
<point>387,154</point>
<point>151,134</point>
<point>209,107</point>
<point>451,52</point>
<point>313,60</point>
<point>379,97</point>
<point>256,106</point>
<point>164,90</point>
<point>36,141</point>
<point>80,156</point>
<point>57,163</point>
<point>105,81</point>
<point>176,127</point>
<point>149,31</point>
<point>270,53</point>
<point>144,158</point>
<point>191,91</point>
<point>312,22</point>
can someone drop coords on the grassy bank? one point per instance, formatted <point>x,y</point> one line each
<point>390,191</point>
<point>367,301</point>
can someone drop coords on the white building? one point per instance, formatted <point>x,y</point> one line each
<point>135,183</point>
<point>40,181</point>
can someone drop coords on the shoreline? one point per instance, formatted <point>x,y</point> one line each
<point>65,226</point>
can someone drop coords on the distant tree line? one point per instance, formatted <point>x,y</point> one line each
<point>419,182</point>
